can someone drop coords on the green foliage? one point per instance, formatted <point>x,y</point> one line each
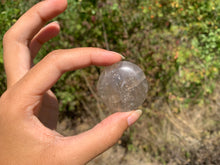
<point>195,52</point>
<point>176,43</point>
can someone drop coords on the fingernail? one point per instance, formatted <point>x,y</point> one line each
<point>56,22</point>
<point>134,117</point>
<point>122,57</point>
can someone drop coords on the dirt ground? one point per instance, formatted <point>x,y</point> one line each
<point>189,138</point>
<point>115,155</point>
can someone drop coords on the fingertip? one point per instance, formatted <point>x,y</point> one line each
<point>133,117</point>
<point>54,28</point>
<point>122,57</point>
<point>45,34</point>
<point>56,23</point>
<point>102,57</point>
<point>57,6</point>
<point>60,4</point>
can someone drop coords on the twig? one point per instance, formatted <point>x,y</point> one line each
<point>105,36</point>
<point>122,18</point>
<point>101,113</point>
<point>88,110</point>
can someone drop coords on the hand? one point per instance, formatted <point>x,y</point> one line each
<point>29,110</point>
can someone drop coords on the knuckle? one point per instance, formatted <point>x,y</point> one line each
<point>12,101</point>
<point>6,37</point>
<point>55,52</point>
<point>54,58</point>
<point>8,107</point>
<point>6,97</point>
<point>9,37</point>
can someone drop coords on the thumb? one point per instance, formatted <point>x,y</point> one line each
<point>82,148</point>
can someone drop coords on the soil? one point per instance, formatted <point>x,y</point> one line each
<point>115,155</point>
<point>207,154</point>
<point>192,138</point>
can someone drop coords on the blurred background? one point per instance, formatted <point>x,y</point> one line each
<point>175,42</point>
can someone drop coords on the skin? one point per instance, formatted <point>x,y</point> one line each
<point>29,109</point>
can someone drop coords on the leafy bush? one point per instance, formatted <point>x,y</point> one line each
<point>176,43</point>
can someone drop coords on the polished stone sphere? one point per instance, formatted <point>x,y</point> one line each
<point>122,86</point>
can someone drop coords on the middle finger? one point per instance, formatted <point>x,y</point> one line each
<point>17,58</point>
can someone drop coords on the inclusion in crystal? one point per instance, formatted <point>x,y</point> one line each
<point>122,86</point>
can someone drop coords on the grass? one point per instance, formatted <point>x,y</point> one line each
<point>190,137</point>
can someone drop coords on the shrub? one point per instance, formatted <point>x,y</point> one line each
<point>176,43</point>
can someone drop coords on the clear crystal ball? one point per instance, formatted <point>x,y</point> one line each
<point>122,86</point>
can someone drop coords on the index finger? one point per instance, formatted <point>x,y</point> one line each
<point>46,73</point>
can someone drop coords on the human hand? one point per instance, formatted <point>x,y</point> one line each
<point>29,110</point>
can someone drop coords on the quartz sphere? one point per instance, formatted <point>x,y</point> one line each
<point>122,86</point>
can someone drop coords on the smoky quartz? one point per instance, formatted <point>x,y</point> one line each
<point>122,86</point>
